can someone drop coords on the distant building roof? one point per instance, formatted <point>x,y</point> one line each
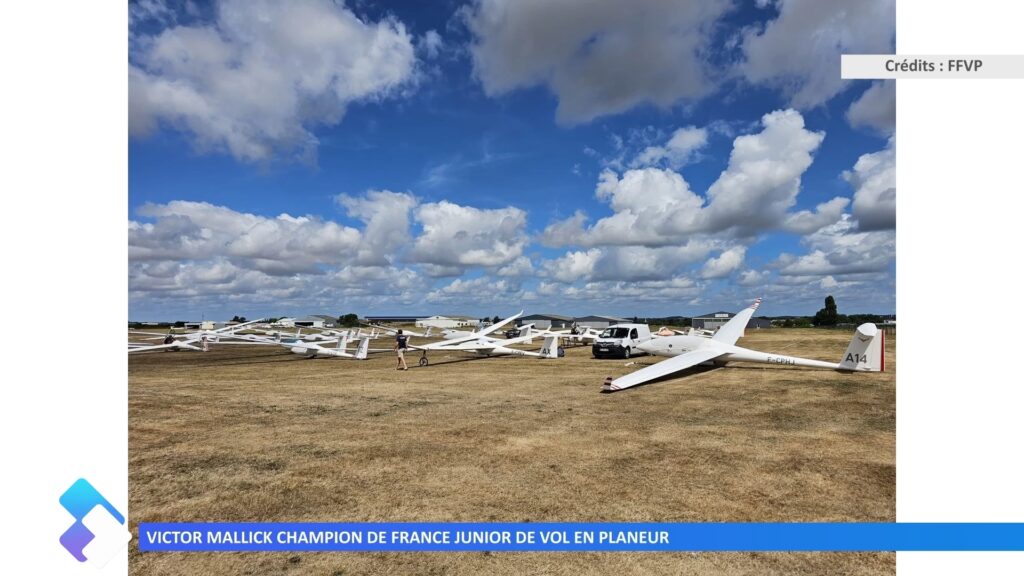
<point>406,318</point>
<point>547,317</point>
<point>598,317</point>
<point>715,315</point>
<point>318,317</point>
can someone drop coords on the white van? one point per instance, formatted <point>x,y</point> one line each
<point>621,340</point>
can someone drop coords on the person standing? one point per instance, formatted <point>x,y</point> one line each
<point>401,345</point>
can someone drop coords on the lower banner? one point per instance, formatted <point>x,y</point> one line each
<point>578,537</point>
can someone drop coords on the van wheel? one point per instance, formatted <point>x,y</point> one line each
<point>626,353</point>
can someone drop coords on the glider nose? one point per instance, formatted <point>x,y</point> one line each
<point>647,346</point>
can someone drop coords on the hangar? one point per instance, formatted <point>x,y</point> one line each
<point>546,321</point>
<point>394,319</point>
<point>599,322</point>
<point>446,322</point>
<point>317,321</point>
<point>715,320</point>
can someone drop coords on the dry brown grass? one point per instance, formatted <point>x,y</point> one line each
<point>259,434</point>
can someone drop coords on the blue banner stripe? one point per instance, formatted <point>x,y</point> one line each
<point>565,537</point>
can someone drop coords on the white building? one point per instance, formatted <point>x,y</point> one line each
<point>444,322</point>
<point>317,321</point>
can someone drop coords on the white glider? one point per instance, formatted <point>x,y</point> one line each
<point>394,331</point>
<point>188,340</point>
<point>314,350</point>
<point>481,344</point>
<point>866,352</point>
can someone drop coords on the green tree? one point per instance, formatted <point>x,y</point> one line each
<point>496,319</point>
<point>348,320</point>
<point>238,319</point>
<point>829,315</point>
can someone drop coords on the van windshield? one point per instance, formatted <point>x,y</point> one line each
<point>615,333</point>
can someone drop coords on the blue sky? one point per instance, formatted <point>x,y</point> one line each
<point>646,158</point>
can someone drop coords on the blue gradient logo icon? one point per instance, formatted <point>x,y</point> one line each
<point>98,525</point>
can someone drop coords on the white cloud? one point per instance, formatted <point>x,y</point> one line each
<point>461,236</point>
<point>874,182</point>
<point>386,215</point>
<point>725,263</point>
<point>753,277</point>
<point>203,254</point>
<point>799,51</point>
<point>807,221</point>
<point>599,57</point>
<point>633,263</point>
<point>841,249</point>
<point>431,44</point>
<point>621,294</point>
<point>656,207</point>
<point>521,266</point>
<point>572,266</point>
<point>681,149</point>
<point>255,82</point>
<point>876,108</point>
<point>482,291</point>
<point>200,231</point>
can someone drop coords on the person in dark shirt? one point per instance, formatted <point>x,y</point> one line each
<point>401,344</point>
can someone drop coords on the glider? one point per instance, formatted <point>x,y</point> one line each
<point>482,344</point>
<point>864,354</point>
<point>188,340</point>
<point>314,350</point>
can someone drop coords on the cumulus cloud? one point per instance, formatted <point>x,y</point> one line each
<point>480,291</point>
<point>572,266</point>
<point>598,57</point>
<point>281,245</point>
<point>725,263</point>
<point>800,50</point>
<point>841,249</point>
<point>201,253</point>
<point>521,266</point>
<point>461,236</point>
<point>753,277</point>
<point>386,215</point>
<point>681,149</point>
<point>633,263</point>
<point>807,221</point>
<point>656,207</point>
<point>876,108</point>
<point>256,81</point>
<point>622,294</point>
<point>874,182</point>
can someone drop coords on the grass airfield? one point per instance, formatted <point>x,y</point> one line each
<point>254,433</point>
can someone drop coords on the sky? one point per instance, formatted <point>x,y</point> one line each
<point>481,157</point>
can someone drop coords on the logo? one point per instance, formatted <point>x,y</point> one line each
<point>98,525</point>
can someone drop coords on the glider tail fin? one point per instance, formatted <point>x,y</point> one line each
<point>550,347</point>
<point>866,352</point>
<point>733,330</point>
<point>343,341</point>
<point>364,346</point>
